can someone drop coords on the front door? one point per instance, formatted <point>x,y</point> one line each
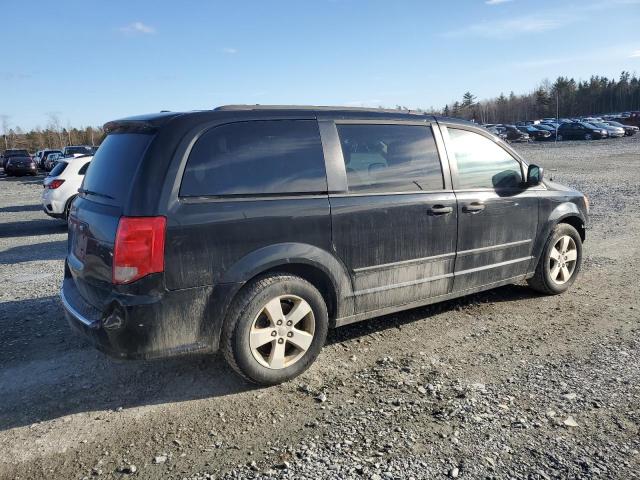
<point>497,214</point>
<point>395,226</point>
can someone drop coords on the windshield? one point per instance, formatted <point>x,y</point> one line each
<point>114,166</point>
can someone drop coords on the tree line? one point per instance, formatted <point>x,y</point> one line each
<point>54,135</point>
<point>565,97</point>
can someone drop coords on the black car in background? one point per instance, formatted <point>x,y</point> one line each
<point>580,131</point>
<point>254,229</point>
<point>497,131</point>
<point>536,133</point>
<point>515,135</point>
<point>12,152</point>
<point>20,165</point>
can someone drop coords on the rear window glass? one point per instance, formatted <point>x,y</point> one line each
<point>256,158</point>
<point>58,169</point>
<point>114,166</point>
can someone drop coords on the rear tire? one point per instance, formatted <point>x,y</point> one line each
<point>275,329</point>
<point>67,208</point>
<point>560,261</point>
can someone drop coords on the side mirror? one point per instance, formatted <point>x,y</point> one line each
<point>534,175</point>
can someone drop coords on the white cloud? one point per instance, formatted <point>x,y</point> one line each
<point>512,27</point>
<point>229,50</point>
<point>635,54</point>
<point>496,2</point>
<point>138,27</point>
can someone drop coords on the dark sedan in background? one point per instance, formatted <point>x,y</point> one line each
<point>536,133</point>
<point>515,135</point>
<point>12,152</point>
<point>20,165</point>
<point>580,131</point>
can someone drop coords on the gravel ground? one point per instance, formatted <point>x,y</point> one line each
<point>503,384</point>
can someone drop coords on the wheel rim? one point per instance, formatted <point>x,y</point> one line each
<point>563,258</point>
<point>282,332</point>
<point>587,137</point>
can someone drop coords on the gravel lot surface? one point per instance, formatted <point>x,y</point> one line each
<point>503,384</point>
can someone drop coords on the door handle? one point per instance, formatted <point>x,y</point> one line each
<point>473,207</point>
<point>440,210</point>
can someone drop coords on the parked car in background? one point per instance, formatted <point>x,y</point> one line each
<point>612,132</point>
<point>74,150</point>
<point>44,155</point>
<point>535,133</point>
<point>19,165</point>
<point>253,230</point>
<point>580,131</point>
<point>51,160</point>
<point>498,132</point>
<point>629,130</point>
<point>12,152</point>
<point>515,135</point>
<point>548,128</point>
<point>62,184</point>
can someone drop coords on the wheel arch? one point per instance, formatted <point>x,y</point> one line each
<point>576,222</point>
<point>316,265</point>
<point>565,212</point>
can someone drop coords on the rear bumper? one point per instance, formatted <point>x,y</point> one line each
<point>133,327</point>
<point>20,170</point>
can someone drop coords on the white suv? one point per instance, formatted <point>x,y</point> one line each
<point>62,184</point>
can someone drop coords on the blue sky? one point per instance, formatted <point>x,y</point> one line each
<point>89,62</point>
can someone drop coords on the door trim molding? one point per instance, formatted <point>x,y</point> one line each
<point>383,266</point>
<point>464,253</point>
<point>412,283</point>
<point>493,265</point>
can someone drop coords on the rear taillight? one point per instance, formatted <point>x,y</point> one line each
<point>139,248</point>
<point>55,184</point>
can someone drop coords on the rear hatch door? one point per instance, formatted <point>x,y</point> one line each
<point>94,216</point>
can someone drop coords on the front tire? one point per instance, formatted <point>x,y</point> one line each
<point>588,136</point>
<point>560,261</point>
<point>275,329</point>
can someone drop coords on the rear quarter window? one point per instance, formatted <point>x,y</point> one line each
<point>58,169</point>
<point>261,157</point>
<point>114,166</point>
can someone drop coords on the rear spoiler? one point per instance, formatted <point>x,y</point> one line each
<point>140,124</point>
<point>129,126</point>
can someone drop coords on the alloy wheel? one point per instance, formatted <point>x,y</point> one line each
<point>563,258</point>
<point>282,332</point>
<point>587,136</point>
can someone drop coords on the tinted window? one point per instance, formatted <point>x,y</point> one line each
<point>58,169</point>
<point>114,166</point>
<point>390,158</point>
<point>483,164</point>
<point>258,157</point>
<point>83,169</point>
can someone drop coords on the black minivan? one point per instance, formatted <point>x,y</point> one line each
<point>253,229</point>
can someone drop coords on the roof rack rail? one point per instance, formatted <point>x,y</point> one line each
<point>316,108</point>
